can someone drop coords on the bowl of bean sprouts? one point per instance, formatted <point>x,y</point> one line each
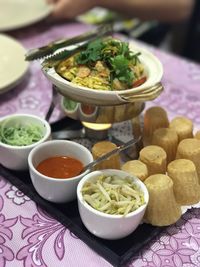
<point>111,203</point>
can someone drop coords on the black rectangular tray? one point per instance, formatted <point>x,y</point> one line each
<point>118,252</point>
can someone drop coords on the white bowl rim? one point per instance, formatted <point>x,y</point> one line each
<point>51,142</point>
<point>114,171</point>
<point>46,135</point>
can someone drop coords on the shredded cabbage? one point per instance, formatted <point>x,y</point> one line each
<point>113,195</point>
<point>19,134</point>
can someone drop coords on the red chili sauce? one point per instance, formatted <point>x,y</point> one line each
<point>87,109</point>
<point>60,167</point>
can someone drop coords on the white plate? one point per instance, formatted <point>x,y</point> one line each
<point>154,72</point>
<point>13,67</point>
<point>15,14</point>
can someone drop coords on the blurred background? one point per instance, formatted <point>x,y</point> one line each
<point>181,37</point>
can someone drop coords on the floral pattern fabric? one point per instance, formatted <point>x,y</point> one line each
<point>29,236</point>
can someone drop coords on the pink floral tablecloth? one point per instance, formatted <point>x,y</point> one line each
<point>29,236</point>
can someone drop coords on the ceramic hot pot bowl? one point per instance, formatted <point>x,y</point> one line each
<point>149,90</point>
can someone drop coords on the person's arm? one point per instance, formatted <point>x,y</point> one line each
<point>69,9</point>
<point>165,11</point>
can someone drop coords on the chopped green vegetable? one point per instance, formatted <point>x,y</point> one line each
<point>92,53</point>
<point>69,104</point>
<point>121,70</point>
<point>113,195</point>
<point>115,54</point>
<point>19,134</point>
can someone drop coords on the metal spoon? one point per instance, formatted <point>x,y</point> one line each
<point>111,153</point>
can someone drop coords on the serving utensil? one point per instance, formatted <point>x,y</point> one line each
<point>52,47</point>
<point>111,153</point>
<point>53,60</point>
<point>53,103</point>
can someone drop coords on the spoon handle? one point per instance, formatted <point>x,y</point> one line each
<point>111,153</point>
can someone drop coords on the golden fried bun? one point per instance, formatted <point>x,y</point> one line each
<point>186,184</point>
<point>101,148</point>
<point>197,135</point>
<point>190,149</point>
<point>155,159</point>
<point>154,118</point>
<point>183,127</point>
<point>162,209</point>
<point>137,168</point>
<point>168,140</point>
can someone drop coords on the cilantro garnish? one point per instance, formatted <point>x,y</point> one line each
<point>91,54</point>
<point>115,54</point>
<point>121,69</point>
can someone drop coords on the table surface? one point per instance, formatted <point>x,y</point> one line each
<point>29,236</point>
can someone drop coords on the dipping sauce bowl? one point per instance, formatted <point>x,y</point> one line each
<point>58,189</point>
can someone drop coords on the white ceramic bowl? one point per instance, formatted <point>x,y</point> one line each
<point>57,189</point>
<point>105,225</point>
<point>16,157</point>
<point>153,69</point>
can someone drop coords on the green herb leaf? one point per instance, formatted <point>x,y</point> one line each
<point>115,54</point>
<point>121,69</point>
<point>91,54</point>
<point>20,135</point>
